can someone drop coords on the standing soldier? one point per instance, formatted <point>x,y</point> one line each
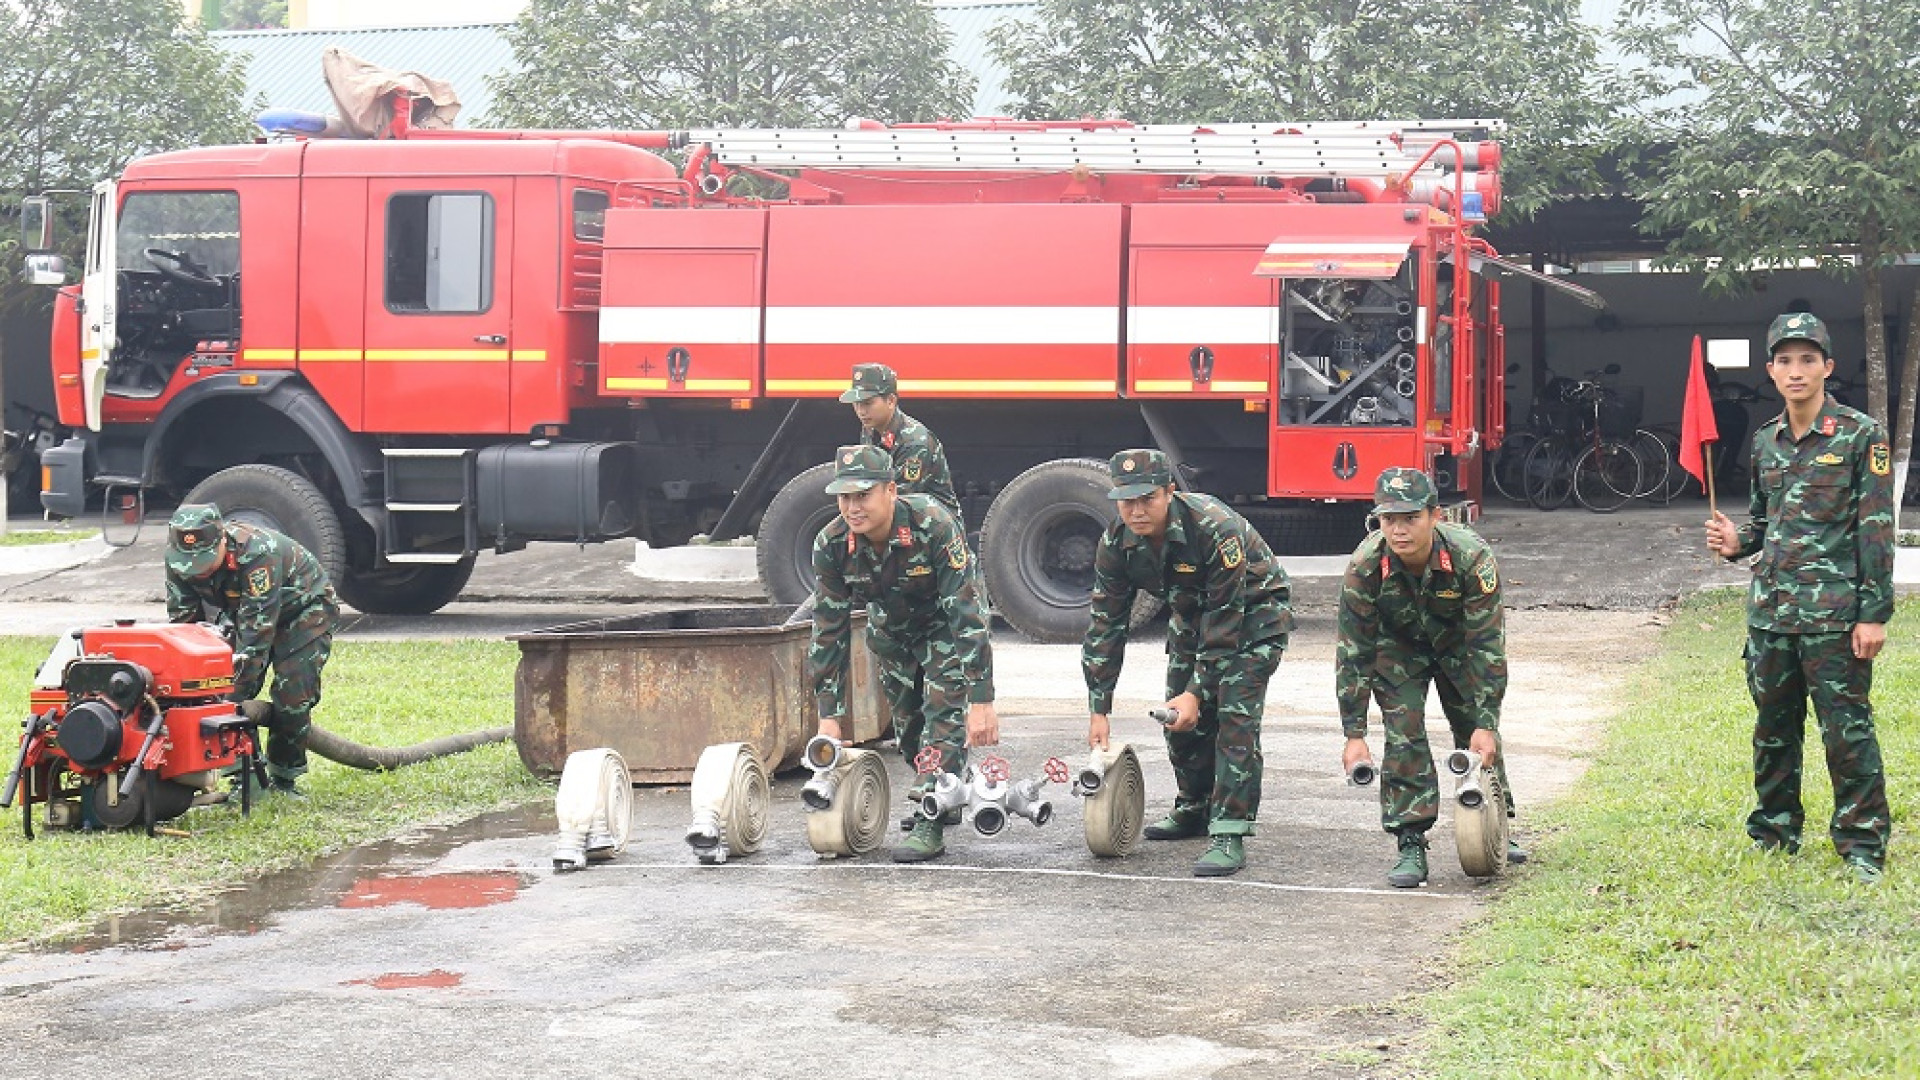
<point>919,464</point>
<point>904,557</point>
<point>1230,618</point>
<point>276,599</point>
<point>1822,521</point>
<point>1420,604</point>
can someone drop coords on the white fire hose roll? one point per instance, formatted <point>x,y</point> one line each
<point>1479,816</point>
<point>594,807</point>
<point>730,798</point>
<point>857,820</point>
<point>1116,813</point>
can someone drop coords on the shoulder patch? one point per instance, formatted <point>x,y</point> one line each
<point>957,553</point>
<point>1489,577</point>
<point>1231,552</point>
<point>1880,459</point>
<point>259,582</point>
<point>911,470</point>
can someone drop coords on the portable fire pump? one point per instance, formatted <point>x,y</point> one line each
<point>407,349</point>
<point>131,724</point>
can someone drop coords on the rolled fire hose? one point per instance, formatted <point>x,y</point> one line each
<point>1115,810</point>
<point>856,820</point>
<point>1479,815</point>
<point>730,797</point>
<point>594,807</point>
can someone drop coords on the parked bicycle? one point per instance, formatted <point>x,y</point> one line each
<point>1587,455</point>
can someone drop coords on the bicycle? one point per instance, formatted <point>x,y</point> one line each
<point>1579,461</point>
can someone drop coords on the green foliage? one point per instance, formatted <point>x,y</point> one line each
<point>249,15</point>
<point>1173,61</point>
<point>1645,940</point>
<point>720,63</point>
<point>35,537</point>
<point>380,693</point>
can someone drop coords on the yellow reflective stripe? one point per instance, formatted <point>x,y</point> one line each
<point>953,386</point>
<point>267,354</point>
<point>1218,386</point>
<point>623,383</point>
<point>311,356</point>
<point>435,355</point>
<point>89,354</point>
<point>801,386</point>
<point>529,356</point>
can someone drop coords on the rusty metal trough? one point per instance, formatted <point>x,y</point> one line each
<point>663,686</point>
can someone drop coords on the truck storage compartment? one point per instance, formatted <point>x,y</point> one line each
<point>663,686</point>
<point>556,491</point>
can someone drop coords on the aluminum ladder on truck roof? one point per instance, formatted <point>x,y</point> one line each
<point>1336,149</point>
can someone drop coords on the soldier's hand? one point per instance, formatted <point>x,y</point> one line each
<point>1188,706</point>
<point>1098,731</point>
<point>1868,639</point>
<point>1355,753</point>
<point>983,725</point>
<point>1486,744</point>
<point>1722,538</point>
<point>830,727</point>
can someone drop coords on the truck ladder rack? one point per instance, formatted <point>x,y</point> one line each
<point>1280,150</point>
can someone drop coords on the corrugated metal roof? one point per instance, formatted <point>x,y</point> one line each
<point>284,65</point>
<point>969,24</point>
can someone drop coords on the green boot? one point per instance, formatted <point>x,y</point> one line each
<point>1187,819</point>
<point>923,843</point>
<point>1227,855</point>
<point>1410,872</point>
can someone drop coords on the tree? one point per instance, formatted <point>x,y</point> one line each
<point>244,14</point>
<point>86,85</point>
<point>1790,134</point>
<point>1528,62</point>
<point>719,63</point>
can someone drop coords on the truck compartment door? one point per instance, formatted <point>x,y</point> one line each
<point>1199,323</point>
<point>98,301</point>
<point>680,313</point>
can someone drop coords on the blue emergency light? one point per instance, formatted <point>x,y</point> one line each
<point>291,122</point>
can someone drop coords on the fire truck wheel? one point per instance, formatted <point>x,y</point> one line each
<point>1037,547</point>
<point>784,546</point>
<point>405,590</point>
<point>283,501</point>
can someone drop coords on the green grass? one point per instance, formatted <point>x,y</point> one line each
<point>31,537</point>
<point>1646,940</point>
<point>381,693</point>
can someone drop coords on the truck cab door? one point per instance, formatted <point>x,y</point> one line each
<point>97,297</point>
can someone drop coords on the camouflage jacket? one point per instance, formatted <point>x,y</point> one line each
<point>266,583</point>
<point>919,463</point>
<point>920,588</point>
<point>1822,509</point>
<point>1223,586</point>
<point>1395,626</point>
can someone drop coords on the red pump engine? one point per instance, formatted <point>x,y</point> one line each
<point>130,724</point>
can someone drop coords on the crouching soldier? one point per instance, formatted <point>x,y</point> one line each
<point>1420,605</point>
<point>1230,617</point>
<point>276,599</point>
<point>904,557</point>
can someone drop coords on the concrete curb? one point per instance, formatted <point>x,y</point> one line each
<point>45,558</point>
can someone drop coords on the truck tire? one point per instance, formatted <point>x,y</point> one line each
<point>405,590</point>
<point>1037,546</point>
<point>783,548</point>
<point>283,501</point>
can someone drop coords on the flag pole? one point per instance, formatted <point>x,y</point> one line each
<point>1713,503</point>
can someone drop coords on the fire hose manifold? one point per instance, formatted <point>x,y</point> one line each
<point>1479,815</point>
<point>730,798</point>
<point>847,798</point>
<point>594,807</point>
<point>987,793</point>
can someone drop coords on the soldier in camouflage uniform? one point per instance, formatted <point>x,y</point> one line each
<point>276,599</point>
<point>903,556</point>
<point>919,463</point>
<point>1230,618</point>
<point>1822,523</point>
<point>1420,604</point>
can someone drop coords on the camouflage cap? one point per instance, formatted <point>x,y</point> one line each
<point>1139,472</point>
<point>1799,326</point>
<point>857,468</point>
<point>1402,490</point>
<point>193,540</point>
<point>871,380</point>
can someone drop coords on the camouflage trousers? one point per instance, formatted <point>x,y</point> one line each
<point>300,650</point>
<point>1409,783</point>
<point>927,692</point>
<point>1218,763</point>
<point>1783,670</point>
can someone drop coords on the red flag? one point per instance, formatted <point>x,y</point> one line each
<point>1696,418</point>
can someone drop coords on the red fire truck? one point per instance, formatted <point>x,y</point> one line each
<point>405,350</point>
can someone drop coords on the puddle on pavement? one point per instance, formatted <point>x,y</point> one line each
<point>371,875</point>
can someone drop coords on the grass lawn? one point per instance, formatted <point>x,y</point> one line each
<point>32,537</point>
<point>380,693</point>
<point>1647,941</point>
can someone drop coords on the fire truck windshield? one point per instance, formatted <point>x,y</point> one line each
<point>203,226</point>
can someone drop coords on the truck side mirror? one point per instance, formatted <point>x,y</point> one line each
<point>45,268</point>
<point>36,223</point>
